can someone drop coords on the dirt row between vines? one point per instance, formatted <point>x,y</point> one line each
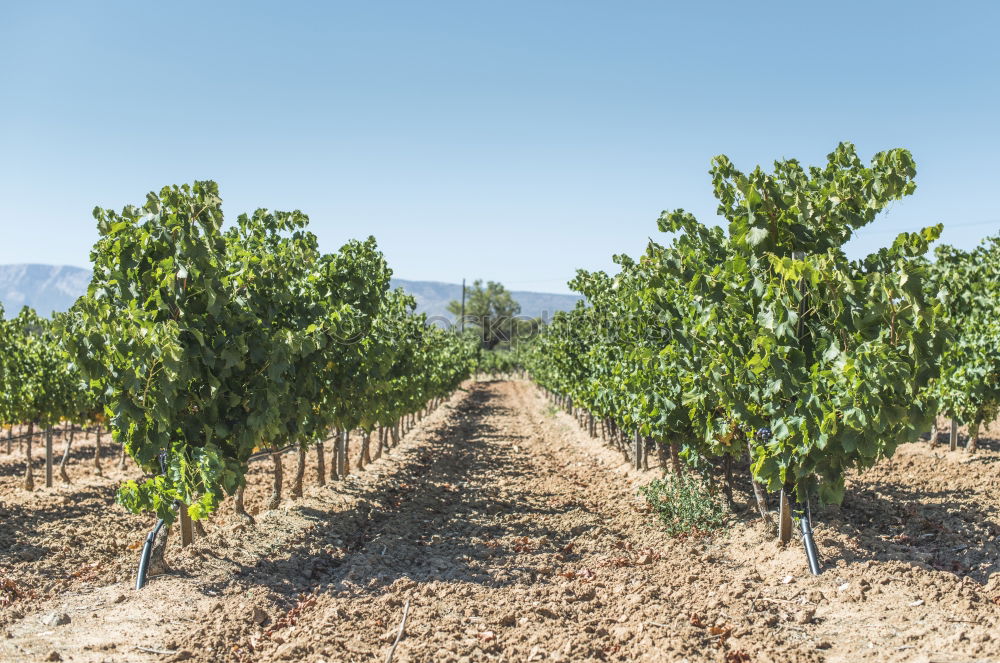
<point>73,537</point>
<point>512,536</point>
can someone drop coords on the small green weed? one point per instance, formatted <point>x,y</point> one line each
<point>684,503</point>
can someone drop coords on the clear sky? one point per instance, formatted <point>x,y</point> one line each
<point>514,141</point>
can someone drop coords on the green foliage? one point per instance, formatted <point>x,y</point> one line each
<point>493,311</point>
<point>718,335</point>
<point>499,361</point>
<point>969,386</point>
<point>207,344</point>
<point>685,503</point>
<point>165,330</point>
<point>38,382</point>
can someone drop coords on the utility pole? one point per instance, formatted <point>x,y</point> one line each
<point>462,323</point>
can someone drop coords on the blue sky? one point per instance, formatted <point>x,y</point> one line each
<point>514,141</point>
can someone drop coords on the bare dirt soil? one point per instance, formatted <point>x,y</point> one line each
<point>506,534</point>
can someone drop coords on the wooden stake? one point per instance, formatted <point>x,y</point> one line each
<point>29,475</point>
<point>785,518</point>
<point>366,442</point>
<point>48,457</point>
<point>637,451</point>
<point>97,453</point>
<point>300,471</point>
<point>186,535</point>
<point>335,455</point>
<point>278,479</point>
<point>320,464</point>
<point>343,455</point>
<point>381,442</point>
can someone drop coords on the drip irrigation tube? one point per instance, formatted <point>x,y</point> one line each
<point>805,524</point>
<point>147,548</point>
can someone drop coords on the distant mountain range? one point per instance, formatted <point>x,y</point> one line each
<point>45,288</point>
<point>433,297</point>
<point>48,288</point>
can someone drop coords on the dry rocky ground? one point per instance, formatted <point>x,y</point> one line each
<point>506,534</point>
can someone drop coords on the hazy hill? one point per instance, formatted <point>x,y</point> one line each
<point>45,288</point>
<point>48,288</point>
<point>433,297</point>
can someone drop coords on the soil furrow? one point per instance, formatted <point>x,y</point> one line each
<point>513,536</point>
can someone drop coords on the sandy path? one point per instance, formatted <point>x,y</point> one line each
<point>514,537</point>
